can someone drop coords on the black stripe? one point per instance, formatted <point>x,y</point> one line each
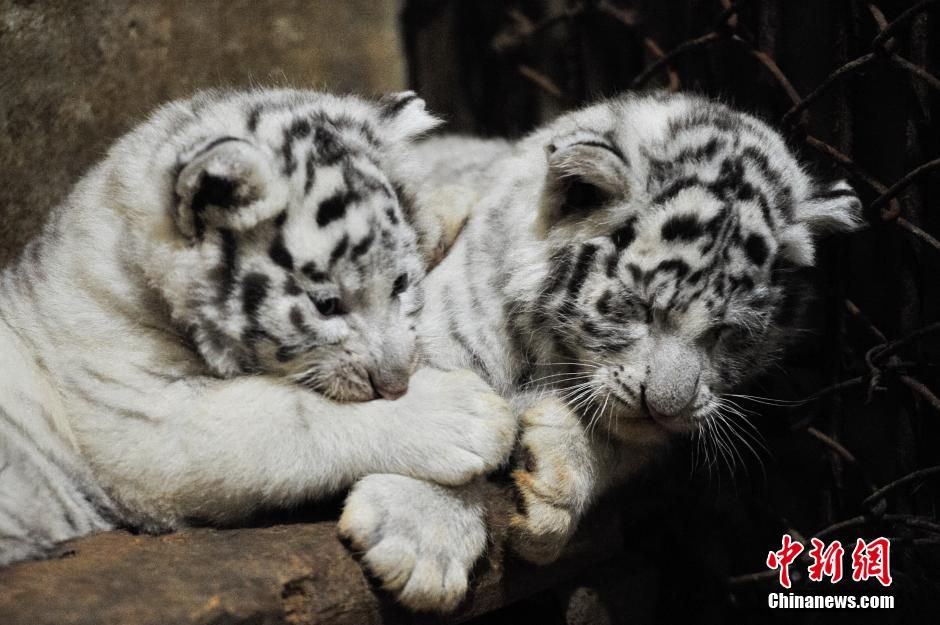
<point>708,117</point>
<point>291,287</point>
<point>476,362</point>
<point>285,353</point>
<point>676,265</point>
<point>280,254</point>
<point>603,303</point>
<point>339,250</point>
<point>313,274</point>
<point>330,150</point>
<point>300,128</point>
<point>254,115</point>
<point>254,291</point>
<point>612,262</point>
<point>625,234</point>
<point>705,151</point>
<point>635,272</point>
<point>729,180</point>
<point>677,187</point>
<point>391,109</point>
<point>296,316</point>
<point>360,126</point>
<point>287,151</point>
<point>332,208</point>
<point>683,228</point>
<point>228,266</point>
<point>310,172</point>
<point>581,268</point>
<point>363,246</point>
<point>756,249</point>
<point>753,156</point>
<point>560,266</point>
<point>213,144</point>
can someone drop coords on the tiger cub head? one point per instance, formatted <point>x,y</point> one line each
<point>276,224</point>
<point>672,225</point>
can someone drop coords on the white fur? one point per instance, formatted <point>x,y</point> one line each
<point>109,414</point>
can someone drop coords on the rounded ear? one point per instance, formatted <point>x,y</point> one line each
<point>584,173</point>
<point>835,208</point>
<point>226,183</point>
<point>403,116</point>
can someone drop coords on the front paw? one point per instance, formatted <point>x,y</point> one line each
<point>460,428</point>
<point>418,539</point>
<point>552,483</point>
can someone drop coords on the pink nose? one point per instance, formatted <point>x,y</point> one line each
<point>391,393</point>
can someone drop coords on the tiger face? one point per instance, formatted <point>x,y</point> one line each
<point>672,232</point>
<point>287,248</point>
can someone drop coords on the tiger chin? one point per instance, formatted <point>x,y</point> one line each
<point>198,331</point>
<point>624,268</point>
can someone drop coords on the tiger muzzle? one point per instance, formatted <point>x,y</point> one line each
<point>672,381</point>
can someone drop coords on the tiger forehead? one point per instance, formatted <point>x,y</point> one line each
<point>709,203</point>
<point>368,238</point>
<point>345,211</point>
<point>333,133</point>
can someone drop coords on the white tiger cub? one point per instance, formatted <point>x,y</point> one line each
<point>623,267</point>
<point>160,342</point>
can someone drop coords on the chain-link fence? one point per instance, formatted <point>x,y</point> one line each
<point>852,417</point>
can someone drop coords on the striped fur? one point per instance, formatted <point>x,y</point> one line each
<point>624,267</point>
<point>160,341</point>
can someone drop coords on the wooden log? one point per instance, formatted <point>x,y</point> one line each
<point>298,573</point>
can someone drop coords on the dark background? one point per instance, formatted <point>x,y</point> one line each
<point>853,85</point>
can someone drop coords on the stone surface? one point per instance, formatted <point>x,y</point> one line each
<point>296,573</point>
<point>77,74</point>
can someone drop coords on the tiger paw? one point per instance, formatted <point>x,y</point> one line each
<point>553,482</point>
<point>418,539</point>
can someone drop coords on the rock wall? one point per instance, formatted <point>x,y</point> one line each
<point>76,74</point>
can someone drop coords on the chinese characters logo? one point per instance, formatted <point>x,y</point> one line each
<point>870,560</point>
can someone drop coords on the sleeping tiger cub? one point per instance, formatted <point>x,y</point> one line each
<point>624,267</point>
<point>177,343</point>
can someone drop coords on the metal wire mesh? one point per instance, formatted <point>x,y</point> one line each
<point>852,85</point>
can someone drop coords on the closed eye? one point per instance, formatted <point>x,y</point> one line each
<point>727,333</point>
<point>329,307</point>
<point>582,196</point>
<point>400,285</point>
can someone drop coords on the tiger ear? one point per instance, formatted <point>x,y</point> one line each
<point>403,116</point>
<point>836,208</point>
<point>227,183</point>
<point>585,172</point>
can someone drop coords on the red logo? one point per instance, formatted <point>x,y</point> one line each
<point>782,559</point>
<point>872,559</point>
<point>869,560</point>
<point>827,561</point>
